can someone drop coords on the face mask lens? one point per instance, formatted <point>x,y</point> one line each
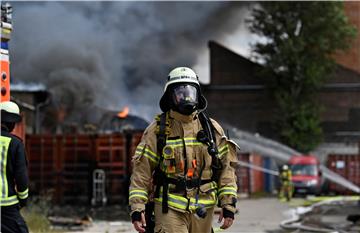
<point>185,94</point>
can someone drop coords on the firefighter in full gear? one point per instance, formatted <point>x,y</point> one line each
<point>286,187</point>
<point>184,164</point>
<point>14,177</point>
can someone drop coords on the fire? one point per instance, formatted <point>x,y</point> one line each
<point>124,113</point>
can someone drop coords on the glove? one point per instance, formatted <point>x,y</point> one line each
<point>227,213</point>
<point>136,216</point>
<point>22,203</point>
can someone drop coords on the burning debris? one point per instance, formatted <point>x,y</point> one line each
<point>50,116</point>
<point>92,120</point>
<point>121,121</point>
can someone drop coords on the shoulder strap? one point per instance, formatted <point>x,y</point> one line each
<point>159,176</point>
<point>209,129</point>
<point>161,134</point>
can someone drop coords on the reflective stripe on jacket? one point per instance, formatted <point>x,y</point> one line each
<point>13,170</point>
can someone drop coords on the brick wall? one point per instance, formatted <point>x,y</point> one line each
<point>351,58</point>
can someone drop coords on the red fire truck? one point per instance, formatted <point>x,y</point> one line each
<point>306,175</point>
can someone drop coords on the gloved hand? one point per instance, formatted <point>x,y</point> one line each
<point>228,217</point>
<point>138,220</point>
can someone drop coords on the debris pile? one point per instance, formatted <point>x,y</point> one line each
<point>77,224</point>
<point>338,214</point>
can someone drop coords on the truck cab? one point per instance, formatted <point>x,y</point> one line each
<point>306,174</point>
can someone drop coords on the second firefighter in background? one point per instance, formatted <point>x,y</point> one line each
<point>286,185</point>
<point>179,178</point>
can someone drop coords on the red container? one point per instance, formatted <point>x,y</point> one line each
<point>257,177</point>
<point>64,164</point>
<point>43,166</point>
<point>347,166</point>
<point>112,158</point>
<point>75,156</point>
<point>249,180</point>
<point>243,174</point>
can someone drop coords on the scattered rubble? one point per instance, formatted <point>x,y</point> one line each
<point>338,214</point>
<point>65,223</point>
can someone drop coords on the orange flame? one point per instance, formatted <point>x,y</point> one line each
<point>124,113</point>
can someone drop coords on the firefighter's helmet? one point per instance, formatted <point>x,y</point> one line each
<point>181,81</point>
<point>10,112</point>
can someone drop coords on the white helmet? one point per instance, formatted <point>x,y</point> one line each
<point>10,112</point>
<point>177,76</point>
<point>182,75</point>
<point>285,167</point>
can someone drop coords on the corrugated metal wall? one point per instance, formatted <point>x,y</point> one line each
<point>348,166</point>
<point>64,164</point>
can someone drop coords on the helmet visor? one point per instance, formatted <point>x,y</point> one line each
<point>185,94</point>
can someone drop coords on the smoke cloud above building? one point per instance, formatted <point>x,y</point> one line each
<point>112,54</point>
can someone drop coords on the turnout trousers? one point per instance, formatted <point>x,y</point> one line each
<point>178,222</point>
<point>12,221</point>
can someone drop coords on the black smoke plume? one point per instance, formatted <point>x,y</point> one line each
<point>112,54</point>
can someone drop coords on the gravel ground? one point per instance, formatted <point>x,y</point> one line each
<point>261,215</point>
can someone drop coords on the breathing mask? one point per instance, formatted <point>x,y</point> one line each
<point>185,98</point>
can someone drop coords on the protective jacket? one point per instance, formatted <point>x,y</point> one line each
<point>13,170</point>
<point>285,177</point>
<point>183,159</point>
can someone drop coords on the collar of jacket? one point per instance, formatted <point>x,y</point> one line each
<point>4,128</point>
<point>183,118</point>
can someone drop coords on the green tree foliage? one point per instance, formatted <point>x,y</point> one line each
<point>300,38</point>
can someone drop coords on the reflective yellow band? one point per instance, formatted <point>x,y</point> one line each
<point>139,150</point>
<point>138,193</point>
<point>147,153</point>
<point>227,190</point>
<point>4,147</point>
<point>223,151</point>
<point>9,201</point>
<point>180,202</point>
<point>192,142</point>
<point>179,142</point>
<point>213,185</point>
<point>151,155</point>
<point>24,194</point>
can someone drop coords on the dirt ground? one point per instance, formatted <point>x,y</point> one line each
<point>260,215</point>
